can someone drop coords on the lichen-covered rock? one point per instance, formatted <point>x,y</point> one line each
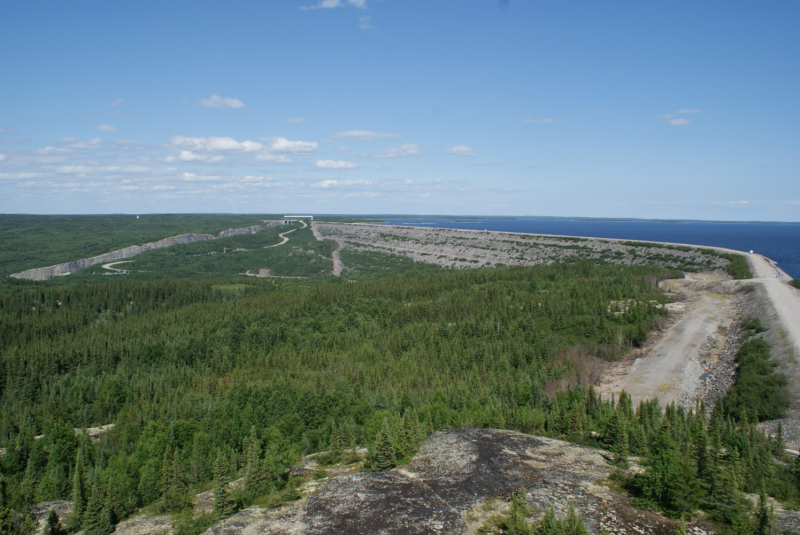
<point>458,479</point>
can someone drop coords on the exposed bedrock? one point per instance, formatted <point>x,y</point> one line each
<point>459,478</point>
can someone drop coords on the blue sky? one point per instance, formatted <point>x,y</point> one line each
<point>607,109</point>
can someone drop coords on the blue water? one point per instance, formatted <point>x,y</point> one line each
<point>778,241</point>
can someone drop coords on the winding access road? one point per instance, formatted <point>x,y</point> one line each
<point>283,235</point>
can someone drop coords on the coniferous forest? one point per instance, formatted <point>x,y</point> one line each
<point>209,381</point>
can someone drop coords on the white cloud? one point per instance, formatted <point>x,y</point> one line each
<point>460,150</point>
<point>215,143</point>
<point>281,144</point>
<point>406,149</point>
<point>107,128</point>
<point>341,150</point>
<point>216,101</point>
<point>679,122</point>
<point>541,120</point>
<point>740,202</point>
<point>2,157</point>
<point>670,118</point>
<point>364,23</point>
<point>87,169</point>
<point>164,187</point>
<point>380,168</point>
<point>328,183</point>
<point>425,195</point>
<point>19,176</point>
<point>295,120</point>
<point>129,188</point>
<point>194,177</point>
<point>337,164</point>
<point>794,202</point>
<point>273,158</point>
<point>328,4</point>
<point>364,194</point>
<point>189,156</point>
<point>116,102</point>
<point>364,135</point>
<point>72,143</point>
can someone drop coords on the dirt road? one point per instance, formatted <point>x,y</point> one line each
<point>783,297</point>
<point>285,238</point>
<point>671,368</point>
<point>335,254</point>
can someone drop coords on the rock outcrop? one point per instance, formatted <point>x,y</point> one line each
<point>459,478</point>
<point>66,268</point>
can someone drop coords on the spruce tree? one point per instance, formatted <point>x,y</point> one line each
<point>95,518</point>
<point>79,494</point>
<point>517,522</point>
<point>113,507</point>
<point>384,449</point>
<point>223,503</point>
<point>53,526</point>
<point>255,481</point>
<point>765,514</point>
<point>681,530</point>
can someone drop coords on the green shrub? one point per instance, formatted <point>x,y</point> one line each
<point>756,387</point>
<point>737,266</point>
<point>795,283</point>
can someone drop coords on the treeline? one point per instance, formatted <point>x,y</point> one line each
<point>205,385</point>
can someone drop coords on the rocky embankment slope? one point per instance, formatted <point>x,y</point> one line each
<point>457,248</point>
<point>66,268</point>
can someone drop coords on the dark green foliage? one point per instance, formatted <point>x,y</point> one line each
<point>53,526</point>
<point>737,266</point>
<point>385,455</point>
<point>186,524</point>
<point>756,387</point>
<point>95,517</point>
<point>516,521</point>
<point>35,241</point>
<point>224,503</point>
<point>795,283</point>
<point>751,326</point>
<point>365,265</point>
<point>256,374</point>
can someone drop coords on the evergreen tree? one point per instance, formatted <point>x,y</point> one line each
<point>681,529</point>
<point>727,500</point>
<point>765,514</point>
<point>174,493</point>
<point>223,501</point>
<point>384,449</point>
<point>53,526</point>
<point>95,517</point>
<point>79,494</point>
<point>113,508</point>
<point>255,480</point>
<point>517,522</point>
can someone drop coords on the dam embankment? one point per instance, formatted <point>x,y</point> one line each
<point>57,270</point>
